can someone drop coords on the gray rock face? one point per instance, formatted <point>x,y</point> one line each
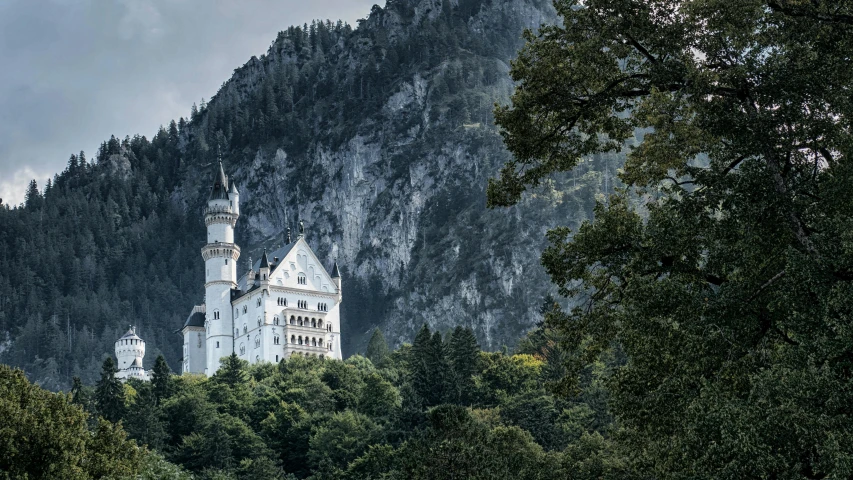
<point>399,201</point>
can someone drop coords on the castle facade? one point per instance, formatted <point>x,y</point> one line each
<point>285,304</point>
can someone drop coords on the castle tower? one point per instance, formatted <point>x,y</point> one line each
<point>220,258</point>
<point>130,349</point>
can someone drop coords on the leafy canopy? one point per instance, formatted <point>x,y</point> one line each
<point>723,267</point>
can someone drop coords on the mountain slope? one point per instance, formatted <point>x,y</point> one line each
<point>380,139</point>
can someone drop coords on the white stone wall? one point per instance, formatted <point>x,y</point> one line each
<point>195,346</point>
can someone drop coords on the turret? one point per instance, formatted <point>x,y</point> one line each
<point>234,196</point>
<point>264,271</point>
<point>336,277</point>
<point>130,349</point>
<point>220,258</point>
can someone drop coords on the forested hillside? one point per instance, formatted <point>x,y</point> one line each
<point>380,138</point>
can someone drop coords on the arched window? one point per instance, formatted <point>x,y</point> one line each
<point>275,320</point>
<point>275,340</point>
<point>300,340</point>
<point>257,358</point>
<point>299,320</point>
<point>320,323</point>
<point>314,322</point>
<point>257,342</point>
<point>313,342</point>
<point>293,339</point>
<point>292,320</point>
<point>301,280</point>
<point>259,301</point>
<point>320,342</point>
<point>259,321</point>
<point>244,308</point>
<point>216,314</point>
<point>242,349</point>
<point>245,328</point>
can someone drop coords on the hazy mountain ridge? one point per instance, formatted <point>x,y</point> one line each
<point>380,139</point>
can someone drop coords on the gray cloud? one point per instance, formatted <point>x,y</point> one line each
<point>75,72</point>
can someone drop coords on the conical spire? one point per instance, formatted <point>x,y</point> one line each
<point>265,262</point>
<point>336,273</point>
<point>220,186</point>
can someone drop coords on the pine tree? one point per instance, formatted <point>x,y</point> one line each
<point>145,420</point>
<point>464,356</point>
<point>419,365</point>
<point>109,392</point>
<point>377,348</point>
<point>161,379</point>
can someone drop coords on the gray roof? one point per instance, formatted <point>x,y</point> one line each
<point>194,320</point>
<point>265,262</point>
<point>130,334</point>
<point>335,272</point>
<point>220,186</point>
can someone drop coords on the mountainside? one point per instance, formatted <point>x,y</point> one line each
<point>380,139</point>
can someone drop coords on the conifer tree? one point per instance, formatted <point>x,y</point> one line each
<point>377,348</point>
<point>109,392</point>
<point>464,356</point>
<point>145,420</point>
<point>419,365</point>
<point>161,379</point>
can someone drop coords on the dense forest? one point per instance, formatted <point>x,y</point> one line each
<point>437,408</point>
<point>380,137</point>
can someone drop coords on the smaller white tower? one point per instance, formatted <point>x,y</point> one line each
<point>130,349</point>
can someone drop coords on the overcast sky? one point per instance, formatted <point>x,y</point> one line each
<point>74,72</point>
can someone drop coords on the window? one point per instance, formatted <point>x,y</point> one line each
<point>242,349</point>
<point>322,307</point>
<point>293,339</point>
<point>275,340</point>
<point>299,340</point>
<point>301,279</point>
<point>299,320</point>
<point>275,320</point>
<point>259,321</point>
<point>257,342</point>
<point>226,261</point>
<point>320,342</point>
<point>217,344</point>
<point>320,323</point>
<point>259,301</point>
<point>245,328</point>
<point>216,314</point>
<point>303,304</point>
<point>314,322</point>
<point>257,358</point>
<point>244,308</point>
<point>292,320</point>
<point>276,359</point>
<point>236,332</point>
<point>313,342</point>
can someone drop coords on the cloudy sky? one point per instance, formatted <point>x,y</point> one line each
<point>74,72</point>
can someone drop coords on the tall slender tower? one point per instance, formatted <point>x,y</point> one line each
<point>220,259</point>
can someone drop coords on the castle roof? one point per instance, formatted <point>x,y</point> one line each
<point>265,262</point>
<point>137,363</point>
<point>335,272</point>
<point>196,319</point>
<point>130,334</point>
<point>220,186</point>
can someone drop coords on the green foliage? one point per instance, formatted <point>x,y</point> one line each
<point>721,270</point>
<point>45,435</point>
<point>377,347</point>
<point>110,393</point>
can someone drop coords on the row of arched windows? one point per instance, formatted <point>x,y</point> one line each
<point>322,307</point>
<point>306,322</point>
<point>313,341</point>
<point>282,302</point>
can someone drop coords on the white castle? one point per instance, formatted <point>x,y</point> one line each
<point>285,304</point>
<point>130,349</point>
